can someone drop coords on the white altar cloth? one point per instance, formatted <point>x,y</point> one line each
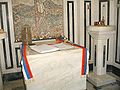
<point>60,70</point>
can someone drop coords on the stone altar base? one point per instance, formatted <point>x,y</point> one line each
<point>100,80</point>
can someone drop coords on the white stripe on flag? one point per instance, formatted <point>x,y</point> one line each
<point>24,73</point>
<point>87,62</point>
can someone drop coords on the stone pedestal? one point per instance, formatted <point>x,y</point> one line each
<point>100,35</point>
<point>2,36</point>
<point>100,80</point>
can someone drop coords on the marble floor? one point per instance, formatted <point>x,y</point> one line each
<point>18,85</point>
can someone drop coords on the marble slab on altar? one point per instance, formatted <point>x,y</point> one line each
<point>60,70</point>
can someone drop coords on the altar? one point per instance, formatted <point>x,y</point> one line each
<point>59,70</point>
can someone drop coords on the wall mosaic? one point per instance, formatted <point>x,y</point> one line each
<point>45,17</point>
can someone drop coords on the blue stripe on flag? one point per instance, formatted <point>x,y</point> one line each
<point>85,67</point>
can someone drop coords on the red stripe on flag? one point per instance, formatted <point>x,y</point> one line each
<point>28,67</point>
<point>83,61</point>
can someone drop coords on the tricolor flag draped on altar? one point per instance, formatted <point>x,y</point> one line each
<point>25,65</point>
<point>84,58</point>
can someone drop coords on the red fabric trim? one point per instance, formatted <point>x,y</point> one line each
<point>27,65</point>
<point>83,61</point>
